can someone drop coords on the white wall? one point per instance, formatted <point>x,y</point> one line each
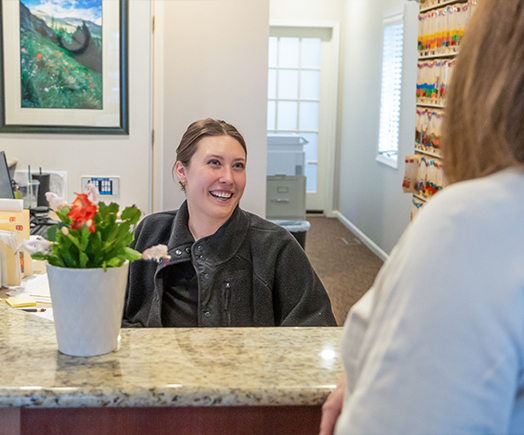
<point>125,156</point>
<point>215,65</point>
<point>322,10</point>
<point>370,194</point>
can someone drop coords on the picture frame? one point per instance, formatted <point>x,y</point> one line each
<point>66,75</point>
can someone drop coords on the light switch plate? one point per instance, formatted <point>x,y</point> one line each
<point>106,185</point>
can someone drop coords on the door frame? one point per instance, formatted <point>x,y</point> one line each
<point>332,104</point>
<point>157,122</point>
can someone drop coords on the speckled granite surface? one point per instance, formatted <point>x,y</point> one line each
<point>169,367</point>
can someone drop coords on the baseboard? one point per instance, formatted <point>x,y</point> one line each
<point>363,238</point>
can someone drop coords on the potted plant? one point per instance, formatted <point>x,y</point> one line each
<point>88,257</point>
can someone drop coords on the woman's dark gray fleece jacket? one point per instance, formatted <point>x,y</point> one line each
<point>251,272</point>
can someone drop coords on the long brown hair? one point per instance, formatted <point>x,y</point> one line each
<point>484,122</point>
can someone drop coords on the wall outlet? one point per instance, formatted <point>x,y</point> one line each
<point>107,186</point>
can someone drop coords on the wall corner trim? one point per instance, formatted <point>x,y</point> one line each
<point>365,239</point>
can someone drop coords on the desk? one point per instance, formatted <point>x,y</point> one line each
<point>168,380</point>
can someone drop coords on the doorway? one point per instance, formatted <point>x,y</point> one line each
<point>302,99</point>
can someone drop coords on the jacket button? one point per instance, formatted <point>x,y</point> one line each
<point>200,248</point>
<point>188,250</point>
<point>202,258</point>
<point>206,275</point>
<point>178,252</point>
<point>207,314</point>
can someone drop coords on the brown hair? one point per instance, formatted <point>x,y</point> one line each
<point>200,129</point>
<point>484,123</point>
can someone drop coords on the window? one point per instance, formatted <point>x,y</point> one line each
<point>391,89</point>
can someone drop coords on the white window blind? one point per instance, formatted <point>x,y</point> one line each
<point>390,89</point>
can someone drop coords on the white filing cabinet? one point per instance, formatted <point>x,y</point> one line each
<point>286,182</point>
<point>285,154</point>
<point>286,198</point>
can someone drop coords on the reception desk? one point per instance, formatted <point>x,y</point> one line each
<point>177,381</point>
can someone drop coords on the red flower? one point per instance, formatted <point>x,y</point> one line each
<point>39,57</point>
<point>82,212</point>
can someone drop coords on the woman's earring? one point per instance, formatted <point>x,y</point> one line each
<point>183,185</point>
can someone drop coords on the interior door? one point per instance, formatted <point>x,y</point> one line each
<point>302,84</point>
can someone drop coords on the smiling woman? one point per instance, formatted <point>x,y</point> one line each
<point>214,182</point>
<point>228,267</point>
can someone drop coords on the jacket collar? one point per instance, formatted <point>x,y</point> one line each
<point>180,235</point>
<point>218,247</point>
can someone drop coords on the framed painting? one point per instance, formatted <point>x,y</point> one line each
<point>63,66</point>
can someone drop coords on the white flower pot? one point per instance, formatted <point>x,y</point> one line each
<point>87,308</point>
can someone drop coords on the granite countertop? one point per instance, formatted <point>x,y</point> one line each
<point>169,367</point>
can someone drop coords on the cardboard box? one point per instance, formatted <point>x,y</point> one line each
<point>18,222</point>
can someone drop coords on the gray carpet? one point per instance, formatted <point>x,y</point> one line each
<point>346,266</point>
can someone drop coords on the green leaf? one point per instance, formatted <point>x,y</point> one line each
<point>105,230</point>
<point>51,233</point>
<point>113,207</point>
<point>111,236</point>
<point>97,219</point>
<point>115,262</point>
<point>131,214</point>
<point>123,230</point>
<point>74,239</point>
<point>63,216</point>
<point>55,261</point>
<point>39,256</point>
<point>101,208</point>
<point>95,251</point>
<point>128,238</point>
<point>132,255</point>
<point>84,238</point>
<point>83,260</point>
<point>105,210</point>
<point>68,259</point>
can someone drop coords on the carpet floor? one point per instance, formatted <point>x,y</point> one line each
<point>346,266</point>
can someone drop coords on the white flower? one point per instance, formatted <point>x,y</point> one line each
<point>65,231</point>
<point>55,201</point>
<point>36,244</point>
<point>92,193</point>
<point>156,253</point>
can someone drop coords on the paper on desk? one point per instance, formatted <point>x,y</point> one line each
<point>42,292</point>
<point>47,314</point>
<point>20,301</point>
<point>11,204</point>
<point>35,284</point>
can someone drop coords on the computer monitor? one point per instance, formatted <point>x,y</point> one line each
<point>6,188</point>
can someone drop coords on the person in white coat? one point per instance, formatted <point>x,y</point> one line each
<point>437,344</point>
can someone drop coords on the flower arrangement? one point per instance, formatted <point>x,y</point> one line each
<point>91,234</point>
